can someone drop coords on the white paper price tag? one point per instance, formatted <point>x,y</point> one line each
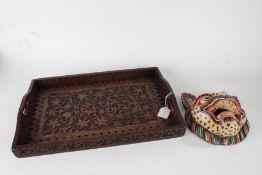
<point>164,112</point>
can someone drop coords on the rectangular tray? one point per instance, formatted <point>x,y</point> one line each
<point>77,112</point>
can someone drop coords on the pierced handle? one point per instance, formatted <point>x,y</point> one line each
<point>25,104</point>
<point>25,108</point>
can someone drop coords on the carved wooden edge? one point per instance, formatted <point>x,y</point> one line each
<point>37,150</point>
<point>28,150</point>
<point>171,101</point>
<point>96,73</point>
<point>22,112</point>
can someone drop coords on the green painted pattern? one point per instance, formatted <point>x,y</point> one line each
<point>215,139</point>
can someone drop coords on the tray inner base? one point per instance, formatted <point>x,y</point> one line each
<point>91,111</point>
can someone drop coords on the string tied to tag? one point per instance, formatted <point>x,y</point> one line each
<point>170,93</point>
<point>165,111</point>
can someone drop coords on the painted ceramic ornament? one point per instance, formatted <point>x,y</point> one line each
<point>216,117</point>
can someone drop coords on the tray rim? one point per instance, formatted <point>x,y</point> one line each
<point>15,146</point>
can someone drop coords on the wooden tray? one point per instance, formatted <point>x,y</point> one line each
<point>94,110</point>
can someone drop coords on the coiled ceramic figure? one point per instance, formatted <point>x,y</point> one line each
<point>216,117</point>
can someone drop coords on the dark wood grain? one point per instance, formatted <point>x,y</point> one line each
<point>77,112</point>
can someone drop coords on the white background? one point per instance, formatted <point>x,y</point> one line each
<point>199,46</point>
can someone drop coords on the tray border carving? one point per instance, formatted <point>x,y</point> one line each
<point>34,149</point>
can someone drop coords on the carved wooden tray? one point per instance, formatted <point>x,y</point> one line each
<point>94,110</point>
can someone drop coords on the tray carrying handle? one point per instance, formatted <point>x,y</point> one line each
<point>24,107</point>
<point>22,113</point>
